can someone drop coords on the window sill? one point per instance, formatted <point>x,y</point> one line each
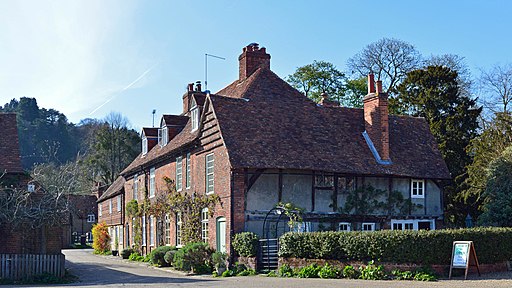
<point>417,197</point>
<point>210,193</point>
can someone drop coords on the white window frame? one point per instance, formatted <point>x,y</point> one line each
<point>135,186</point>
<point>179,173</point>
<point>179,224</point>
<point>344,225</point>
<point>99,209</point>
<point>204,224</point>
<point>194,115</point>
<point>413,222</point>
<point>144,145</point>
<point>110,206</point>
<point>152,182</point>
<point>369,224</point>
<point>151,230</point>
<point>188,176</point>
<point>91,218</point>
<point>302,227</point>
<point>144,230</point>
<point>118,203</point>
<point>163,136</point>
<point>417,188</point>
<point>210,189</point>
<point>167,230</point>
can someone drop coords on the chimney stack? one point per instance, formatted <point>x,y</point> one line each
<point>376,118</point>
<point>198,86</point>
<point>251,59</point>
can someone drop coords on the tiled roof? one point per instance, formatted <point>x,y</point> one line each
<point>275,126</point>
<point>10,160</point>
<point>150,132</point>
<point>175,120</point>
<point>116,188</point>
<point>157,153</point>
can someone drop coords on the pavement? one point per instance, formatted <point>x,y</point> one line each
<point>108,271</point>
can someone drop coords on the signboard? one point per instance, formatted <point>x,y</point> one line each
<point>463,256</point>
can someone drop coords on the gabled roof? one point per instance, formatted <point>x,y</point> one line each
<point>150,132</point>
<point>158,153</point>
<point>275,126</point>
<point>10,160</point>
<point>174,120</point>
<point>115,189</point>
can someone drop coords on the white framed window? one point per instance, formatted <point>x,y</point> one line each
<point>179,173</point>
<point>152,182</point>
<point>194,115</point>
<point>89,237</point>
<point>368,226</point>
<point>187,173</point>
<point>144,145</point>
<point>151,230</point>
<point>209,173</point>
<point>178,229</point>
<point>413,224</point>
<point>417,188</point>
<point>91,218</point>
<point>301,227</point>
<point>144,230</point>
<point>133,229</point>
<point>100,209</point>
<point>110,206</point>
<point>135,186</point>
<point>163,136</point>
<point>119,203</point>
<point>167,230</point>
<point>204,224</point>
<point>344,226</point>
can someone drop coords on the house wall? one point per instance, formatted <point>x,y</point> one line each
<point>27,240</point>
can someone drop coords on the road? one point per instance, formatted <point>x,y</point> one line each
<point>94,270</point>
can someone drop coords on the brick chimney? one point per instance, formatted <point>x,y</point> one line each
<point>376,118</point>
<point>252,58</point>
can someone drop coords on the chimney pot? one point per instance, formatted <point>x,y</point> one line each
<point>198,86</point>
<point>371,83</point>
<point>190,87</point>
<point>379,86</point>
<point>251,59</point>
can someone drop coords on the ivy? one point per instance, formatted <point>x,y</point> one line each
<point>294,213</point>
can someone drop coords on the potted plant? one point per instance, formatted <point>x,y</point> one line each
<point>115,252</point>
<point>219,262</point>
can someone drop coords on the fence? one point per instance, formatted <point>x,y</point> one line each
<point>23,266</point>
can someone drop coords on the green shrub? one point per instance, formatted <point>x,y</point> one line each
<point>136,257</point>
<point>492,245</point>
<point>422,276</point>
<point>125,253</point>
<point>402,275</point>
<point>169,256</point>
<point>194,256</point>
<point>285,271</point>
<point>219,259</point>
<point>156,256</point>
<point>372,272</point>
<point>272,274</point>
<point>228,273</point>
<point>310,271</point>
<point>247,272</point>
<point>246,244</point>
<point>329,272</point>
<point>350,272</point>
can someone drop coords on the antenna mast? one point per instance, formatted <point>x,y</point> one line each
<point>206,55</point>
<point>154,111</point>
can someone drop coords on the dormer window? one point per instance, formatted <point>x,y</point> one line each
<point>163,136</point>
<point>144,146</point>
<point>194,115</point>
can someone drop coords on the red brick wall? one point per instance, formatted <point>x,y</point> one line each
<point>114,218</point>
<point>27,240</point>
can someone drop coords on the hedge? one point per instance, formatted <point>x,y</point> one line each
<point>246,244</point>
<point>493,245</point>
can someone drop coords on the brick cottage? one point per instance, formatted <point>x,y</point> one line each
<point>259,141</point>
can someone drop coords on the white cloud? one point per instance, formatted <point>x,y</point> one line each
<point>60,52</point>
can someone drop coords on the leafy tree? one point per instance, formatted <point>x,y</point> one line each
<point>317,78</point>
<point>497,210</point>
<point>101,238</point>
<point>389,59</point>
<point>485,148</point>
<point>433,93</point>
<point>455,63</point>
<point>355,90</point>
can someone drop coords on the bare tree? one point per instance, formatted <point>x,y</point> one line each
<point>455,63</point>
<point>497,83</point>
<point>389,59</point>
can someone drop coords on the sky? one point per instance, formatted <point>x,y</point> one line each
<point>89,58</point>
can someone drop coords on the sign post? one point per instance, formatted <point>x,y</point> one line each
<point>463,256</point>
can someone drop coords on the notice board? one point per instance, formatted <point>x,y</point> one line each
<point>463,256</point>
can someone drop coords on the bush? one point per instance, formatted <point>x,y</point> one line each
<point>310,271</point>
<point>372,272</point>
<point>194,256</point>
<point>329,272</point>
<point>350,272</point>
<point>285,271</point>
<point>493,245</point>
<point>136,257</point>
<point>246,244</point>
<point>101,239</point>
<point>157,255</point>
<point>219,259</point>
<point>125,253</point>
<point>169,257</point>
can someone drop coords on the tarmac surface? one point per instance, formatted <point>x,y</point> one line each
<point>94,270</point>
